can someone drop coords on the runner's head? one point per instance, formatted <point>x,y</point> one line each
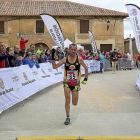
<point>72,49</point>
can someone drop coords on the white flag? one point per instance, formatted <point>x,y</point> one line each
<point>130,44</point>
<point>54,30</point>
<point>134,15</point>
<point>93,43</point>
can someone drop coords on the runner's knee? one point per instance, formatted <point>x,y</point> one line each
<point>67,101</point>
<point>74,103</point>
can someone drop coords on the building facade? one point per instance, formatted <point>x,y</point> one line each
<point>22,18</point>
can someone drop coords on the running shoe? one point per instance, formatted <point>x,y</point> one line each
<point>67,121</point>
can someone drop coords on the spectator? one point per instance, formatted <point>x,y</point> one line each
<point>135,57</point>
<point>27,60</point>
<point>22,43</point>
<point>87,55</point>
<point>107,56</point>
<point>114,59</point>
<point>58,52</point>
<point>56,58</point>
<point>34,61</point>
<point>31,49</point>
<point>4,63</point>
<point>125,61</point>
<point>98,51</point>
<point>66,52</point>
<point>17,57</point>
<point>83,56</point>
<point>119,65</point>
<point>47,55</point>
<point>97,57</point>
<point>129,60</point>
<point>102,61</point>
<point>39,51</point>
<point>62,55</point>
<point>122,54</point>
<point>9,49</point>
<point>42,58</point>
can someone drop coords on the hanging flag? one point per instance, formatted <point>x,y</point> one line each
<point>54,30</point>
<point>134,14</point>
<point>93,43</point>
<point>130,45</point>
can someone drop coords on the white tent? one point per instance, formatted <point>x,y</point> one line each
<point>67,42</point>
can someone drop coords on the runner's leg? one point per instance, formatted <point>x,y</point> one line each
<point>75,95</point>
<point>67,100</point>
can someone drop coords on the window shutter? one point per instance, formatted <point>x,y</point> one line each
<point>1,27</point>
<point>39,26</point>
<point>84,26</point>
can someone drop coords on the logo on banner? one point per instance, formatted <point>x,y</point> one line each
<point>44,74</point>
<point>15,78</point>
<point>25,76</point>
<point>72,67</point>
<point>43,71</point>
<point>133,12</point>
<point>57,72</point>
<point>3,87</point>
<point>50,69</point>
<point>35,73</point>
<point>2,84</point>
<point>27,81</point>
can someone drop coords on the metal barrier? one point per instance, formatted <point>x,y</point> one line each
<point>107,65</point>
<point>124,63</point>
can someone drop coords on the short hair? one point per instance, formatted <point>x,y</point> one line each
<point>58,47</point>
<point>32,45</point>
<point>40,46</point>
<point>102,51</point>
<point>15,46</point>
<point>115,49</point>
<point>28,54</point>
<point>1,42</point>
<point>7,49</point>
<point>42,53</point>
<point>72,45</point>
<point>33,54</point>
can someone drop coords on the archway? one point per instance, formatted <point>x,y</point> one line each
<point>38,44</point>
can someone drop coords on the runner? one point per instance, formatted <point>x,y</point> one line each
<point>72,75</point>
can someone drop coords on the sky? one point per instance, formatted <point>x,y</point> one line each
<point>117,5</point>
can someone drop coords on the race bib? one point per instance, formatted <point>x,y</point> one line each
<point>72,76</point>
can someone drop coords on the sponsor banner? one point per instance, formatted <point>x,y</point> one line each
<point>134,14</point>
<point>54,30</point>
<point>138,81</point>
<point>130,45</point>
<point>19,83</point>
<point>93,43</point>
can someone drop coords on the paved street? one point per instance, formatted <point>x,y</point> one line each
<point>109,105</point>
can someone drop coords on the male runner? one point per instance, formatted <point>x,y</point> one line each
<point>72,75</point>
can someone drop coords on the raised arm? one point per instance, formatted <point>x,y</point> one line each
<point>55,66</point>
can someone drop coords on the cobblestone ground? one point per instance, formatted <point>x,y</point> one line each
<point>109,105</point>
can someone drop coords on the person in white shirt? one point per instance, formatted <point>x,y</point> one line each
<point>129,55</point>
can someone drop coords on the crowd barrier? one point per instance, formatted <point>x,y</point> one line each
<point>19,83</point>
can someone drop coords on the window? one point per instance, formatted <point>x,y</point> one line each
<point>39,26</point>
<point>84,26</point>
<point>1,27</point>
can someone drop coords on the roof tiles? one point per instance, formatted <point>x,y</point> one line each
<point>56,8</point>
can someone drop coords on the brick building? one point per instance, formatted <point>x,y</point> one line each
<point>21,18</point>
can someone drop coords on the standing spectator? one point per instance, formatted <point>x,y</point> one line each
<point>87,55</point>
<point>58,52</point>
<point>16,57</point>
<point>27,60</point>
<point>40,50</point>
<point>129,60</point>
<point>34,61</point>
<point>97,57</point>
<point>114,59</point>
<point>66,52</point>
<point>31,49</point>
<point>119,66</point>
<point>61,54</point>
<point>83,56</point>
<point>22,43</point>
<point>107,56</point>
<point>98,51</point>
<point>47,55</point>
<point>10,49</point>
<point>122,54</point>
<point>42,58</point>
<point>136,59</point>
<point>102,61</point>
<point>4,63</point>
<point>125,61</point>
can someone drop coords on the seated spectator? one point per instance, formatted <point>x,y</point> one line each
<point>27,60</point>
<point>39,51</point>
<point>4,63</point>
<point>83,56</point>
<point>34,61</point>
<point>17,57</point>
<point>31,49</point>
<point>42,58</point>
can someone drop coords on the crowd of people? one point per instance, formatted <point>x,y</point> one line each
<point>17,56</point>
